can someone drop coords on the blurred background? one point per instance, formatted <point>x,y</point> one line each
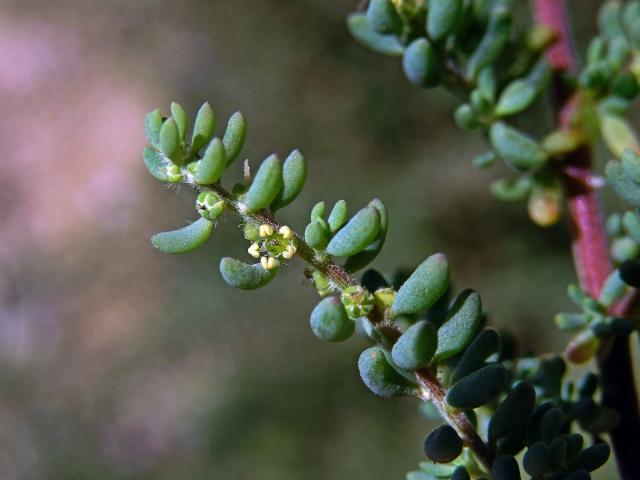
<point>118,362</point>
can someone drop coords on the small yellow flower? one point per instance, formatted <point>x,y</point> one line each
<point>268,263</point>
<point>286,232</point>
<point>266,230</point>
<point>289,252</point>
<point>253,250</point>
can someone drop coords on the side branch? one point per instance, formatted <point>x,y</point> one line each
<point>431,387</point>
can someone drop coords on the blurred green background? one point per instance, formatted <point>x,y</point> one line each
<point>118,362</point>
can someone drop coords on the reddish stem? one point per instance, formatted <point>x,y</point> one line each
<point>590,249</point>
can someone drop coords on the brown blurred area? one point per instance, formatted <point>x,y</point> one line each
<point>117,362</point>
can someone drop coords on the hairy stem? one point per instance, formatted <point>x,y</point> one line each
<point>434,393</point>
<point>590,250</point>
<point>432,388</point>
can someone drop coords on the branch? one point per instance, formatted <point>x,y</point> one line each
<point>590,249</point>
<point>432,388</point>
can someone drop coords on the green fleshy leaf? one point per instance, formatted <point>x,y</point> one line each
<point>570,321</point>
<point>234,135</point>
<point>170,140</point>
<point>338,216</point>
<point>466,118</point>
<point>185,239</point>
<point>591,458</point>
<point>618,134</point>
<point>179,115</point>
<point>516,97</point>
<point>537,460</point>
<point>492,44</point>
<point>416,346</point>
<point>613,289</point>
<point>463,320</point>
<point>380,377</point>
<point>212,165</point>
<point>610,19</point>
<point>513,413</point>
<point>626,188</point>
<point>203,128</point>
<point>362,259</point>
<point>485,160</point>
<point>383,17</point>
<point>159,167</point>
<point>631,223</point>
<point>266,184</point>
<point>294,174</point>
<point>424,287</point>
<point>317,234</point>
<point>329,321</point>
<point>361,30</point>
<point>152,126</point>
<point>360,231</point>
<point>443,18</point>
<point>443,445</point>
<point>420,64</point>
<point>245,276</point>
<point>482,347</point>
<point>631,164</point>
<point>516,148</point>
<point>477,389</point>
<point>318,211</point>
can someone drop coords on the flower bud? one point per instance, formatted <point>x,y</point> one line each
<point>209,205</point>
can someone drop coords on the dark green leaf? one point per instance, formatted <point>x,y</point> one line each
<point>380,377</point>
<point>416,346</point>
<point>482,347</point>
<point>443,445</point>
<point>424,287</point>
<point>476,389</point>
<point>463,320</point>
<point>505,467</point>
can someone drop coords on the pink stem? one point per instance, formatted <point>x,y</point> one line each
<point>590,251</point>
